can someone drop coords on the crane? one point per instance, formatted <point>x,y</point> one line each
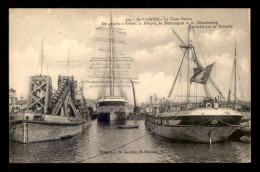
<point>136,109</point>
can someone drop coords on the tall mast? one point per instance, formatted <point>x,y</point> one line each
<point>68,60</point>
<point>235,65</point>
<point>42,56</point>
<point>82,89</point>
<point>107,70</point>
<point>133,93</point>
<point>111,59</point>
<point>188,65</point>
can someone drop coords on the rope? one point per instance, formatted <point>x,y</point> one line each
<point>199,47</point>
<point>214,91</point>
<point>240,85</point>
<point>128,142</point>
<point>181,81</point>
<point>236,98</point>
<point>232,75</point>
<point>211,86</point>
<point>177,89</point>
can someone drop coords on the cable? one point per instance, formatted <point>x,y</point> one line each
<point>128,142</point>
<point>240,85</point>
<point>199,47</point>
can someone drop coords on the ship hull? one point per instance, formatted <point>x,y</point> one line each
<point>199,125</point>
<point>112,113</point>
<point>28,131</point>
<point>112,116</point>
<point>204,116</point>
<point>200,134</point>
<point>206,120</point>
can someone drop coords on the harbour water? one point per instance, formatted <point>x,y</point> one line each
<point>99,138</point>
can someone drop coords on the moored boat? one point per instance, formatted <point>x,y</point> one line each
<point>203,121</point>
<point>198,125</point>
<point>50,117</point>
<point>112,109</point>
<point>110,72</point>
<point>35,127</point>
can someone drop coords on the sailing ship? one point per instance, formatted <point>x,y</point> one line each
<point>108,74</point>
<point>235,87</point>
<point>238,102</point>
<point>50,116</point>
<point>204,121</point>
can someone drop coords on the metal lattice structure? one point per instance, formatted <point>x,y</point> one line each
<point>64,102</point>
<point>39,95</point>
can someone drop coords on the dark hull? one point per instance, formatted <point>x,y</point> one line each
<point>128,126</point>
<point>200,125</point>
<point>115,116</point>
<point>94,116</point>
<point>192,133</point>
<point>206,120</point>
<point>103,117</point>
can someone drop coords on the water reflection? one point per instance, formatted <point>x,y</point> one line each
<point>106,136</point>
<point>176,151</point>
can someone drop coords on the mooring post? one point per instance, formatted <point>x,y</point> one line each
<point>27,126</point>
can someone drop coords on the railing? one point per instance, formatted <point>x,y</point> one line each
<point>111,97</point>
<point>189,106</point>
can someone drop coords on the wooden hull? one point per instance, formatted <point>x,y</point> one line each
<point>27,131</point>
<point>201,134</point>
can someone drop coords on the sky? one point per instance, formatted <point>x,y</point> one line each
<point>154,48</point>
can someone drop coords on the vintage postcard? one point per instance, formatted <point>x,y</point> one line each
<point>129,85</point>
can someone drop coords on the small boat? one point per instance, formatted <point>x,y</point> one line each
<point>128,126</point>
<point>245,139</point>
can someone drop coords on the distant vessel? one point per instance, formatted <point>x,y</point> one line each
<point>50,117</point>
<point>108,73</point>
<point>204,121</point>
<point>238,103</point>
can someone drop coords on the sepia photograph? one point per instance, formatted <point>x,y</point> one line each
<point>134,85</point>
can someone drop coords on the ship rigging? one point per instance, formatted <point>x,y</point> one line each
<point>189,54</point>
<point>204,121</point>
<point>111,74</point>
<point>235,87</point>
